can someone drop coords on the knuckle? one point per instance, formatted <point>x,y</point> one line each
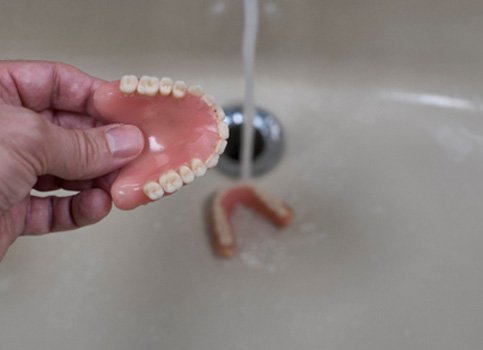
<point>26,141</point>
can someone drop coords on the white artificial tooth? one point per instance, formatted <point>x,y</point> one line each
<point>223,230</point>
<point>195,90</point>
<point>186,174</point>
<point>148,86</point>
<point>128,84</point>
<point>198,167</point>
<point>275,204</point>
<point>220,113</point>
<point>153,190</point>
<point>212,161</point>
<point>165,86</point>
<point>179,89</point>
<point>223,130</point>
<point>170,181</point>
<point>225,236</point>
<point>282,211</point>
<point>221,146</point>
<point>209,100</point>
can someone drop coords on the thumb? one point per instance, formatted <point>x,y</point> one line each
<point>84,154</point>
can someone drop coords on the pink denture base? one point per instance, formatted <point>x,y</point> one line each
<point>176,131</point>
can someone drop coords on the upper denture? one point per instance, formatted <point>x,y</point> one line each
<point>184,131</point>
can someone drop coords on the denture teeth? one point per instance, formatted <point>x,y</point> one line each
<point>220,113</point>
<point>165,86</point>
<point>282,211</point>
<point>224,233</point>
<point>153,190</point>
<point>198,167</point>
<point>128,84</point>
<point>179,89</point>
<point>225,236</point>
<point>212,161</point>
<point>208,100</point>
<point>148,85</point>
<point>223,130</point>
<point>274,204</point>
<point>221,146</point>
<point>170,181</point>
<point>186,174</point>
<point>195,90</point>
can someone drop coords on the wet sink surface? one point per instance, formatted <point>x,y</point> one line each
<point>383,166</point>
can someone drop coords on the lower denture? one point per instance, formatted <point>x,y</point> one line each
<point>224,204</point>
<point>183,128</point>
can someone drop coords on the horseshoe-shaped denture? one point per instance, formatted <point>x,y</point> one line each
<point>184,130</point>
<point>225,202</point>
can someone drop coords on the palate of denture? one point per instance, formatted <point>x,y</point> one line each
<point>224,204</point>
<point>184,131</point>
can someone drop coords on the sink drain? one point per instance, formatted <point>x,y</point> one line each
<point>268,138</point>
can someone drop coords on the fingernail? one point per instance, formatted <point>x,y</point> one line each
<point>124,141</point>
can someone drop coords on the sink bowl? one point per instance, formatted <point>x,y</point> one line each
<point>382,110</point>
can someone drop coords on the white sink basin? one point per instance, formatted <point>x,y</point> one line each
<point>382,108</point>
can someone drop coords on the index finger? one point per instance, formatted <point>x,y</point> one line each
<point>40,85</point>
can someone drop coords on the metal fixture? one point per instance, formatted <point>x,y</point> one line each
<point>268,147</point>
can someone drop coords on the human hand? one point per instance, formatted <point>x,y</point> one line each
<point>51,138</point>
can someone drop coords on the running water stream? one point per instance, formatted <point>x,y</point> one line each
<point>249,48</point>
<point>279,213</point>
